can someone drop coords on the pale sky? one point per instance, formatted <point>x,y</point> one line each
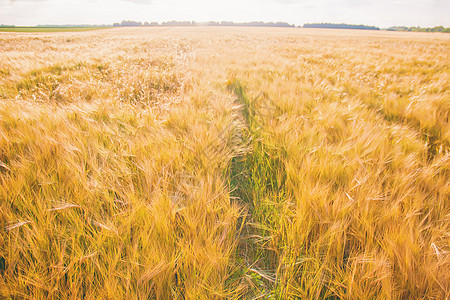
<point>382,13</point>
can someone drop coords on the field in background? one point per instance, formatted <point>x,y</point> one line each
<point>238,163</point>
<point>48,29</point>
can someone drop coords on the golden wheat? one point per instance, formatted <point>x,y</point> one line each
<point>209,163</point>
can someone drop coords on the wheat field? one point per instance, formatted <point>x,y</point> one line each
<point>224,163</point>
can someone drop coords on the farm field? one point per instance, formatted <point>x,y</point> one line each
<point>224,163</point>
<point>48,29</point>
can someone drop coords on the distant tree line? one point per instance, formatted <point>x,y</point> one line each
<point>72,25</point>
<point>211,23</point>
<point>339,26</point>
<point>419,29</point>
<point>126,23</point>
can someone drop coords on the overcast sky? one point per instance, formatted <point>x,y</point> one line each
<point>381,13</point>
